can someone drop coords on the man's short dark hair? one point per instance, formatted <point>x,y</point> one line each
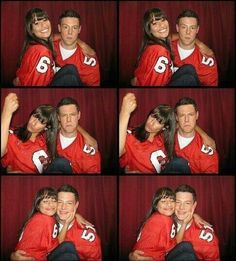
<point>69,13</point>
<point>187,188</point>
<point>188,13</point>
<point>69,188</point>
<point>186,101</point>
<point>67,101</point>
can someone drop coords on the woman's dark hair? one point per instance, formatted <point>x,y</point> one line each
<point>163,192</point>
<point>164,115</point>
<point>35,14</point>
<point>46,114</point>
<point>148,38</point>
<point>43,193</point>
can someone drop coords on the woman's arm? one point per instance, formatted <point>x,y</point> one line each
<point>10,106</point>
<point>207,140</point>
<point>128,106</point>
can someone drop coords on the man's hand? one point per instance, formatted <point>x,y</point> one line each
<point>138,255</point>
<point>21,255</point>
<point>82,221</point>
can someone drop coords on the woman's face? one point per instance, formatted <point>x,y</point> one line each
<point>34,125</point>
<point>42,28</point>
<point>152,125</point>
<point>166,206</point>
<point>48,206</point>
<point>160,28</point>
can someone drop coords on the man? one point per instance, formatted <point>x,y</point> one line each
<point>69,50</point>
<point>71,144</point>
<point>85,239</point>
<point>187,52</point>
<point>189,144</point>
<point>204,241</point>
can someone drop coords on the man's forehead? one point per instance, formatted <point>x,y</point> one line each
<point>184,196</point>
<point>186,107</point>
<point>188,20</point>
<point>68,107</point>
<point>65,196</point>
<point>70,21</point>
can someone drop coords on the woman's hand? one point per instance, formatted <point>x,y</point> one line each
<point>11,104</point>
<point>138,255</point>
<point>129,103</point>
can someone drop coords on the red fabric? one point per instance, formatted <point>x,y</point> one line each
<point>98,114</point>
<point>216,114</point>
<point>36,67</point>
<point>154,67</point>
<point>205,66</point>
<point>87,242</point>
<point>99,30</point>
<point>201,160</point>
<point>156,238</point>
<point>82,160</point>
<point>145,157</point>
<point>98,204</point>
<point>216,23</point>
<point>88,67</point>
<point>38,238</point>
<point>215,201</point>
<point>26,157</point>
<point>205,242</point>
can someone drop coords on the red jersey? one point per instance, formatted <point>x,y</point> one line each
<point>37,66</point>
<point>144,157</point>
<point>26,157</point>
<point>88,67</point>
<point>157,237</point>
<point>155,67</point>
<point>205,66</point>
<point>83,159</point>
<point>39,237</point>
<point>200,158</point>
<point>86,241</point>
<point>205,242</point>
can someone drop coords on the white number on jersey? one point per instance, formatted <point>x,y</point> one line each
<point>90,61</point>
<point>42,66</point>
<point>89,150</point>
<point>206,150</point>
<point>55,231</point>
<point>173,231</point>
<point>89,234</point>
<point>207,235</point>
<point>208,61</point>
<point>41,154</point>
<point>161,63</point>
<point>154,159</point>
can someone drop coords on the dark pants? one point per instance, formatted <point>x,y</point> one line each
<point>182,252</point>
<point>186,75</point>
<point>177,165</point>
<point>64,252</point>
<point>67,76</point>
<point>59,165</point>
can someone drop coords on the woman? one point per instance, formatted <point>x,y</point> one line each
<point>147,148</point>
<point>39,233</point>
<point>155,67</point>
<point>25,149</point>
<point>157,233</point>
<point>36,64</point>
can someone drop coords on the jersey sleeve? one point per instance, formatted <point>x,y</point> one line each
<point>154,67</point>
<point>36,67</point>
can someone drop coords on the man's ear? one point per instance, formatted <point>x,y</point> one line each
<point>177,28</point>
<point>197,114</point>
<point>79,115</point>
<point>194,205</point>
<point>59,28</point>
<point>80,29</point>
<point>77,204</point>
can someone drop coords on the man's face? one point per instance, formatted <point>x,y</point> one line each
<point>187,29</point>
<point>186,116</point>
<point>68,117</point>
<point>66,205</point>
<point>184,205</point>
<point>69,29</point>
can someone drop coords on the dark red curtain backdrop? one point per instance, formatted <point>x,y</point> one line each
<point>99,30</point>
<point>98,114</point>
<point>97,204</point>
<point>216,114</point>
<point>215,197</point>
<point>217,28</point>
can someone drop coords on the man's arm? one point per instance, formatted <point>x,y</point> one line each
<point>128,106</point>
<point>10,106</point>
<point>207,140</point>
<point>89,140</point>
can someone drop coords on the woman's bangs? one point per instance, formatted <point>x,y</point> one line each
<point>38,16</point>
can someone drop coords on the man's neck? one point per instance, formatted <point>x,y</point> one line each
<point>68,135</point>
<point>68,47</point>
<point>186,134</point>
<point>186,46</point>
